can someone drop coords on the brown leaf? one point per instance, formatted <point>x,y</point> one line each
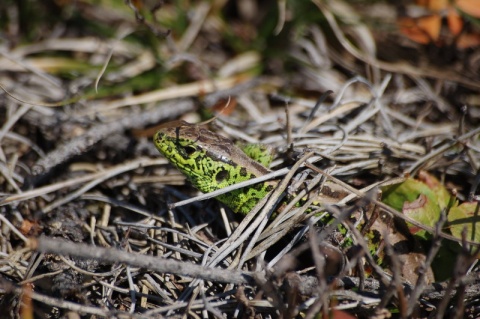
<point>421,30</point>
<point>470,7</point>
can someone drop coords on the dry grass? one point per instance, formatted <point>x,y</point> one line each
<point>91,226</point>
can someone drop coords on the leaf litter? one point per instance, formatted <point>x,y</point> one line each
<point>86,206</point>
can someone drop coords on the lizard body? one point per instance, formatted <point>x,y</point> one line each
<point>211,162</point>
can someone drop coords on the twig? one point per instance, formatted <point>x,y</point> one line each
<point>55,302</point>
<point>390,210</point>
<point>142,162</point>
<point>13,228</point>
<point>319,260</point>
<point>62,247</point>
<point>421,280</point>
<point>82,143</point>
<point>440,150</point>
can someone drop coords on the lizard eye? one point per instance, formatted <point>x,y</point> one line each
<point>189,150</point>
<point>221,176</point>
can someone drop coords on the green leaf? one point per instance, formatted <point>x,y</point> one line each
<point>421,199</point>
<point>424,210</point>
<point>442,195</point>
<point>397,195</point>
<point>466,215</point>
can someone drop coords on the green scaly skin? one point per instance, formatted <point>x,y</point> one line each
<point>211,162</point>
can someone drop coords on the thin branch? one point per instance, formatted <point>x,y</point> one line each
<point>62,247</point>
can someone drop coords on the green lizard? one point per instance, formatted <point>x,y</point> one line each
<point>211,162</point>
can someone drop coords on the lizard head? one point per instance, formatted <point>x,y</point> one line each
<point>204,157</point>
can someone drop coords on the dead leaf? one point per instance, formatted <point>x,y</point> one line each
<point>421,30</point>
<point>470,7</point>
